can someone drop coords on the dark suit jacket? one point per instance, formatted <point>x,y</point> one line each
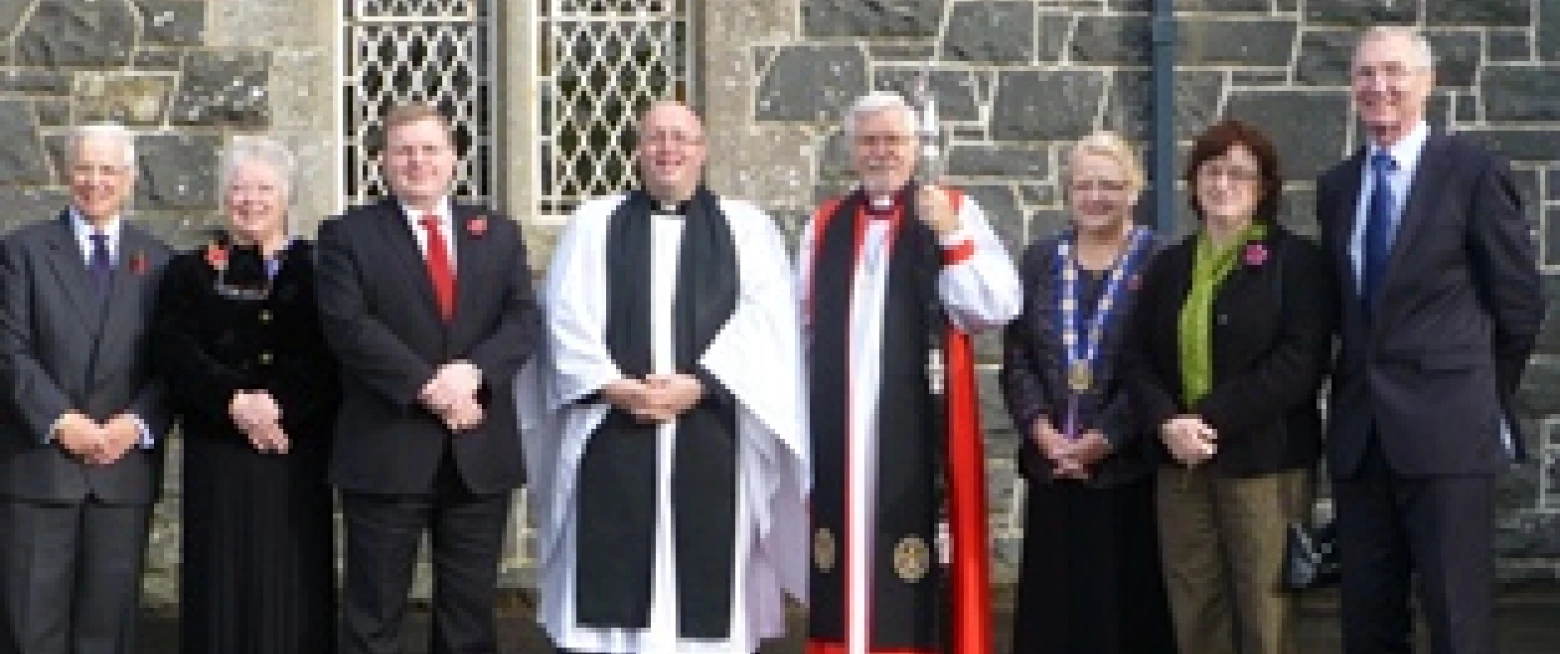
<point>1034,383</point>
<point>1459,309</point>
<point>215,346</point>
<point>379,316</point>
<point>62,350</point>
<point>1273,326</point>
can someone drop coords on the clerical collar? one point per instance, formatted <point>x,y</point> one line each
<point>660,208</point>
<point>880,206</point>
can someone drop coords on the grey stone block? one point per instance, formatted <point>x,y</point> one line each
<point>1509,45</point>
<point>812,83</point>
<point>22,160</point>
<point>1518,144</point>
<point>174,22</point>
<point>1044,223</point>
<point>130,97</point>
<point>1548,30</point>
<point>1007,161</point>
<point>1298,212</point>
<point>52,112</point>
<point>177,172</point>
<point>28,205</point>
<point>35,81</point>
<point>1130,106</point>
<point>1045,105</point>
<point>1325,57</point>
<point>991,32</point>
<point>1554,184</point>
<point>1536,396</point>
<point>1457,56</point>
<point>150,59</point>
<point>1549,333</point>
<point>1514,13</point>
<point>1040,195</point>
<point>1121,40</point>
<point>1522,93</point>
<point>1529,534</point>
<point>1309,128</point>
<point>1257,42</point>
<point>958,92</point>
<point>224,89</point>
<point>993,414</point>
<point>1356,12</point>
<point>1223,6</point>
<point>1549,234</point>
<point>1051,39</point>
<point>77,33</point>
<point>871,18</point>
<point>907,52</point>
<point>1259,77</point>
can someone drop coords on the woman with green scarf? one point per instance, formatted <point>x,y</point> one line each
<point>1227,349</point>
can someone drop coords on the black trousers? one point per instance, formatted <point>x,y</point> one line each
<point>71,576</point>
<point>466,532</point>
<point>1391,527</point>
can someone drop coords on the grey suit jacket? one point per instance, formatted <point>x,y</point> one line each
<point>63,349</point>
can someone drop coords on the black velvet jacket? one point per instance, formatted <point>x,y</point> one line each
<point>211,346</point>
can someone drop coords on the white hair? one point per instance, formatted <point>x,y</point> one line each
<point>1417,41</point>
<point>100,131</point>
<point>1113,146</point>
<point>257,149</point>
<point>879,101</point>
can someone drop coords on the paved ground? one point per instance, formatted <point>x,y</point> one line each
<point>1529,624</point>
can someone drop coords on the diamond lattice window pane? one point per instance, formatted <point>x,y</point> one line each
<point>603,61</point>
<point>431,51</point>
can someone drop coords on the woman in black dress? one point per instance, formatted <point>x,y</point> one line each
<point>238,336</point>
<point>1090,581</point>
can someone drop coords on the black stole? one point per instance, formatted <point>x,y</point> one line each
<point>906,615</point>
<point>617,487</point>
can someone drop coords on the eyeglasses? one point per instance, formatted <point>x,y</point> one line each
<point>875,140</point>
<point>1099,185</point>
<point>670,137</point>
<point>1391,72</point>
<point>1210,172</point>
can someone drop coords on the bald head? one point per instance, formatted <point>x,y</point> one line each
<point>670,150</point>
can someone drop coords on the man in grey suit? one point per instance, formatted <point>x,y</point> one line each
<point>81,414</point>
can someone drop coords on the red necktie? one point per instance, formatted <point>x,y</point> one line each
<point>438,259</point>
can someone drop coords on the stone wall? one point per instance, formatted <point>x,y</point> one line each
<point>1017,79</point>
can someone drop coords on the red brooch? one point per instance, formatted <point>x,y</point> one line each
<point>1134,282</point>
<point>1256,254</point>
<point>138,263</point>
<point>216,257</point>
<point>477,226</point>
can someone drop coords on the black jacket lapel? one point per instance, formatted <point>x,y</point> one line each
<point>1427,184</point>
<point>401,252</point>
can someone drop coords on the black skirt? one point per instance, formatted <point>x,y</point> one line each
<point>1090,580</point>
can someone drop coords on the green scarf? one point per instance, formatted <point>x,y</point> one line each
<point>1196,334</point>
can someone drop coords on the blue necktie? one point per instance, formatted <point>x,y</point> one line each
<point>1378,229</point>
<point>101,264</point>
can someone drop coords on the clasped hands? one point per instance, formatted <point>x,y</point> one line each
<point>452,395</point>
<point>259,418</point>
<point>1072,457</point>
<point>97,443</point>
<point>655,398</point>
<point>1190,440</point>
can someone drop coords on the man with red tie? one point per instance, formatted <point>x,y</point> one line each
<point>427,304</point>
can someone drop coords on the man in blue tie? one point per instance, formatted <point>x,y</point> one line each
<point>84,415</point>
<point>1431,243</point>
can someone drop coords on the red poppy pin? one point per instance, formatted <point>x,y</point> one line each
<point>216,256</point>
<point>477,226</point>
<point>1134,282</point>
<point>138,263</point>
<point>1256,254</point>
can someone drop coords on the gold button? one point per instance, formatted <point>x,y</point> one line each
<point>265,358</point>
<point>265,316</point>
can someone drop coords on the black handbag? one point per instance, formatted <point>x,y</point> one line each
<point>1311,556</point>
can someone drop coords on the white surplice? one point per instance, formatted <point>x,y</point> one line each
<point>977,293</point>
<point>756,356</point>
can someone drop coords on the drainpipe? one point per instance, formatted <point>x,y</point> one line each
<point>1163,165</point>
